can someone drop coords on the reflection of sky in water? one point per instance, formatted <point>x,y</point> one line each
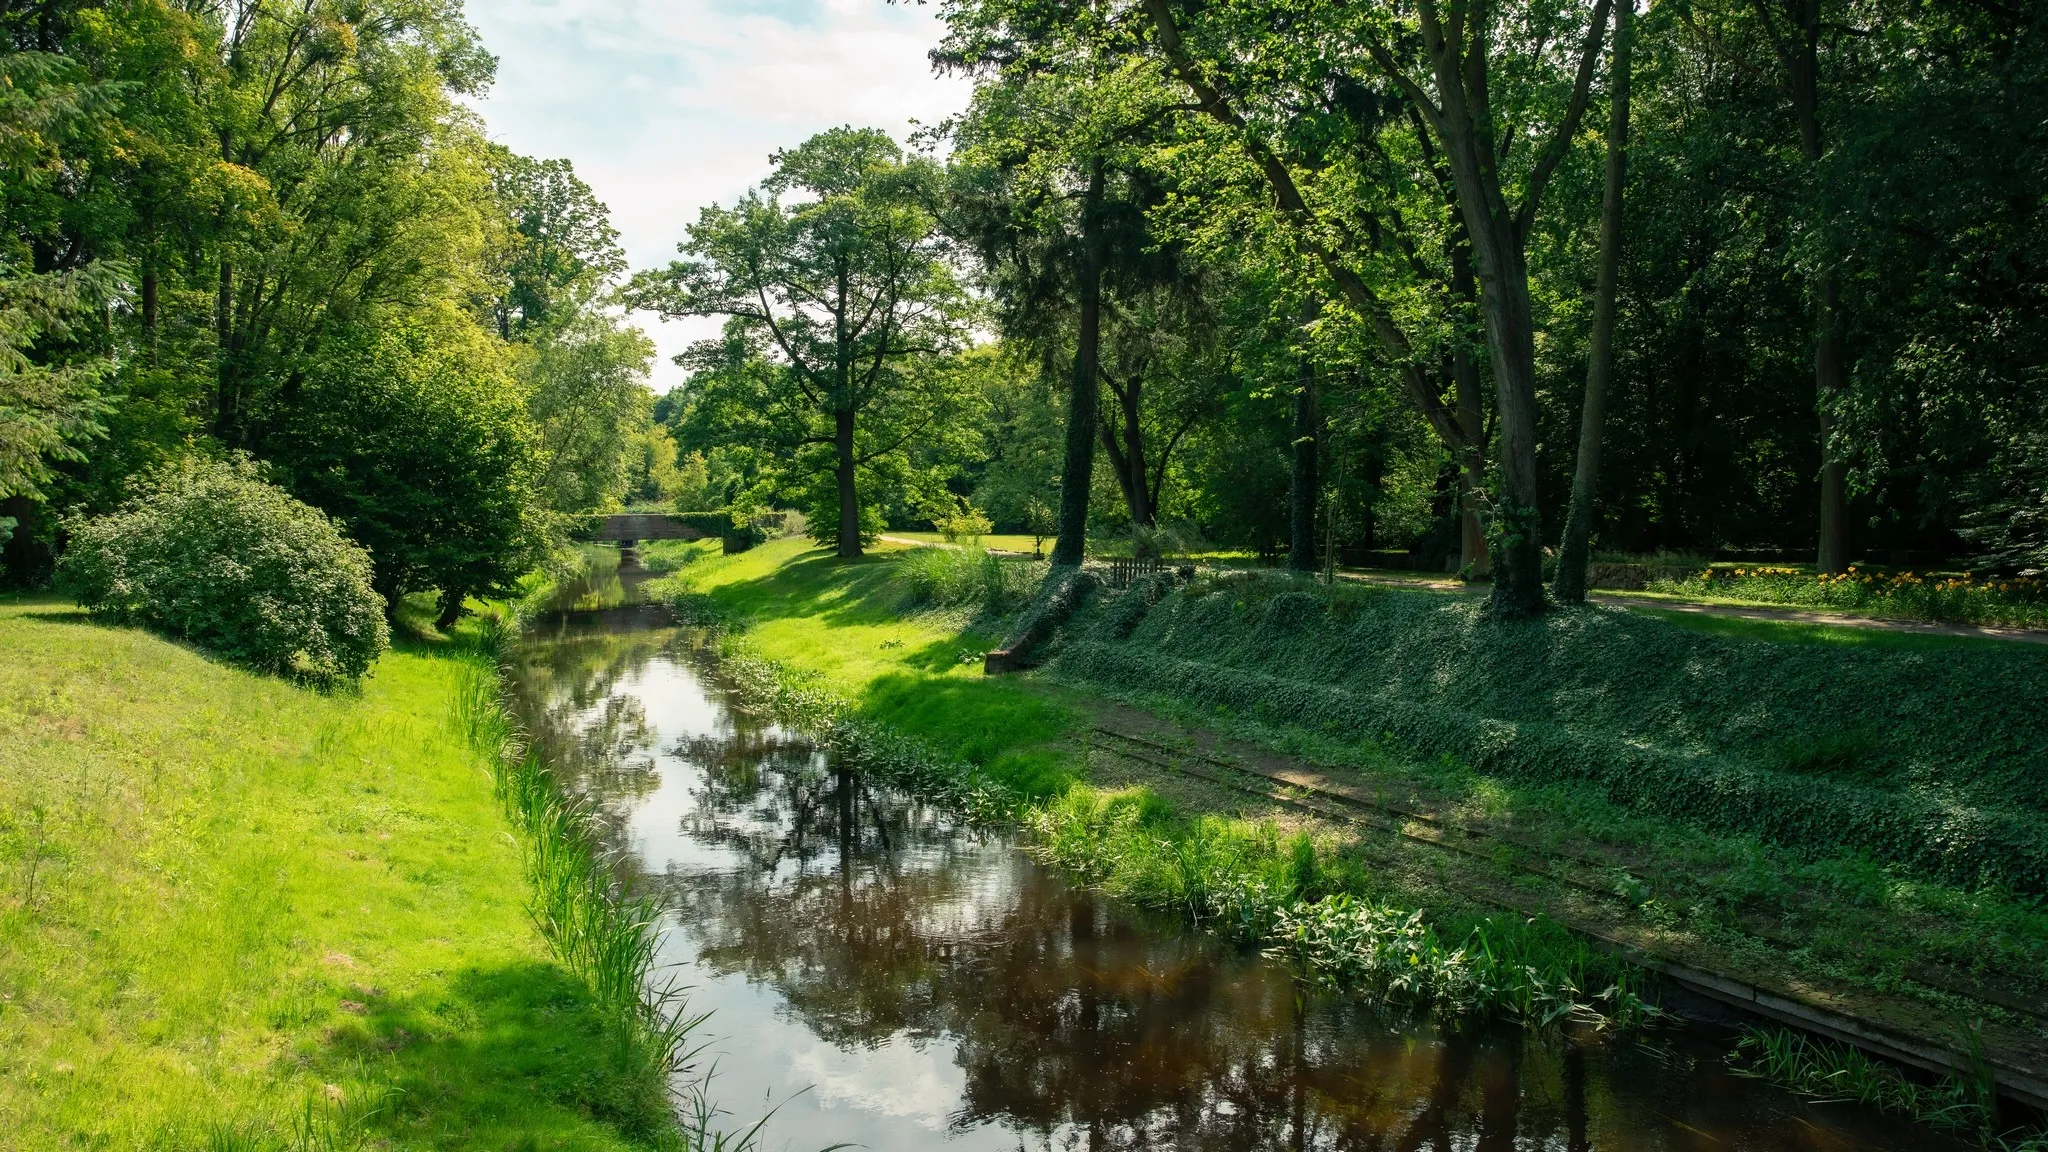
<point>862,1094</point>
<point>881,977</point>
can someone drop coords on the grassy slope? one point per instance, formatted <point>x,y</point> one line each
<point>919,672</point>
<point>1860,925</point>
<point>253,905</point>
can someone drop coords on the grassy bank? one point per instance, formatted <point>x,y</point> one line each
<point>241,914</point>
<point>873,652</point>
<point>1536,741</point>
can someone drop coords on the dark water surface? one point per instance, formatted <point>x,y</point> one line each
<point>891,978</point>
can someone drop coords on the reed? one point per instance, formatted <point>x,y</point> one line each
<point>607,937</point>
<point>1825,1071</point>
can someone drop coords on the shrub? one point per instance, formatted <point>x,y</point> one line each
<point>209,553</point>
<point>957,577</point>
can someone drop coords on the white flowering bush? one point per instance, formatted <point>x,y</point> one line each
<point>209,553</point>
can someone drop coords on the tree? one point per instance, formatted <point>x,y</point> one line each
<point>416,439</point>
<point>1570,584</point>
<point>586,386</point>
<point>1440,64</point>
<point>562,251</point>
<point>842,292</point>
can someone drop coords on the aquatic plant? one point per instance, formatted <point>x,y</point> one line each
<point>605,936</point>
<point>1237,878</point>
<point>1825,1071</point>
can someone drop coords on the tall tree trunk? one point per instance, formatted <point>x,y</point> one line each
<point>1570,586</point>
<point>849,498</point>
<point>226,392</point>
<point>1131,403</point>
<point>1304,485</point>
<point>226,388</point>
<point>1801,57</point>
<point>1503,275</point>
<point>149,306</point>
<point>451,608</point>
<point>1500,259</point>
<point>1471,455</point>
<point>1077,474</point>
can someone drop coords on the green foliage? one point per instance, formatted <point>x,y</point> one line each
<point>839,304</point>
<point>416,440</point>
<point>964,519</point>
<point>1537,968</point>
<point>1921,759</point>
<point>1829,1071</point>
<point>207,552</point>
<point>961,577</point>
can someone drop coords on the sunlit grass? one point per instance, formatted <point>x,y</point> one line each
<point>234,912</point>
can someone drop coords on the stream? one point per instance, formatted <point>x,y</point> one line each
<point>881,974</point>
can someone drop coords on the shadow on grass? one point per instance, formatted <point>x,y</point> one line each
<point>512,1056</point>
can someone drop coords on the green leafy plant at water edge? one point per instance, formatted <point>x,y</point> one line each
<point>1535,968</point>
<point>606,937</point>
<point>1829,1072</point>
<point>1241,880</point>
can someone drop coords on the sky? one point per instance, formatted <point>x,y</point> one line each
<point>666,106</point>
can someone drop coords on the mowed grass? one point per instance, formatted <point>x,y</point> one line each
<point>239,913</point>
<point>918,671</point>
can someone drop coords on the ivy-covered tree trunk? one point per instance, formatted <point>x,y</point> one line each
<point>1304,485</point>
<point>1078,470</point>
<point>849,497</point>
<point>1570,585</point>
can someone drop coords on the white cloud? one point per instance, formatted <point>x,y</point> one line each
<point>665,106</point>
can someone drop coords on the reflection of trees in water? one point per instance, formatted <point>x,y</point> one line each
<point>565,692</point>
<point>873,917</point>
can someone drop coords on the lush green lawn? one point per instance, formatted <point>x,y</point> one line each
<point>231,908</point>
<point>916,670</point>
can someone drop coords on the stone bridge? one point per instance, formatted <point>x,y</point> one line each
<point>629,528</point>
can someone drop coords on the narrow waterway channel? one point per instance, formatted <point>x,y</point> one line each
<point>883,975</point>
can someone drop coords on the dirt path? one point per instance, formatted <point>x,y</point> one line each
<point>1738,611</point>
<point>1689,607</point>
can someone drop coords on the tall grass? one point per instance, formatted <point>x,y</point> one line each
<point>1829,1072</point>
<point>967,578</point>
<point>605,936</point>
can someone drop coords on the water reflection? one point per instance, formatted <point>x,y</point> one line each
<point>936,989</point>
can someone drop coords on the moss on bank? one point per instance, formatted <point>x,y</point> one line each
<point>239,913</point>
